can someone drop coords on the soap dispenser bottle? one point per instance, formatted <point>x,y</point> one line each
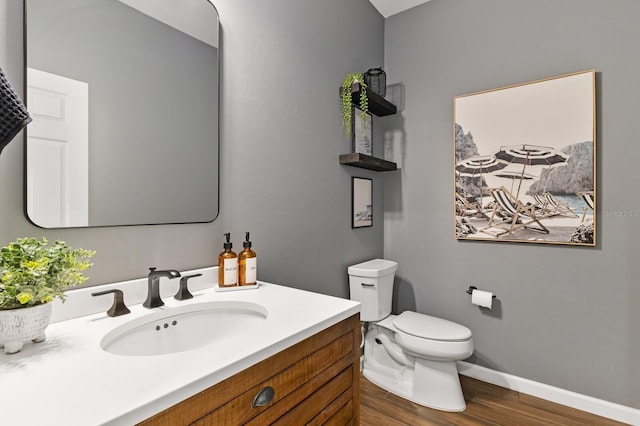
<point>247,264</point>
<point>227,265</point>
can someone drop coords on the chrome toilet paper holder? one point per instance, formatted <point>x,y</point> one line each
<point>472,287</point>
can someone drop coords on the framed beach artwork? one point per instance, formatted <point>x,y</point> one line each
<point>361,202</point>
<point>525,162</point>
<point>362,133</point>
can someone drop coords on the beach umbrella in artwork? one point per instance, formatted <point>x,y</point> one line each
<point>531,155</point>
<point>506,174</point>
<point>479,165</point>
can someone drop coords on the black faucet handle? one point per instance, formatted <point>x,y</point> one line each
<point>118,308</point>
<point>183,292</point>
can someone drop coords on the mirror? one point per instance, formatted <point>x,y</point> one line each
<point>124,100</point>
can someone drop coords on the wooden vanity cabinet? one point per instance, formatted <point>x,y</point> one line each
<point>314,382</point>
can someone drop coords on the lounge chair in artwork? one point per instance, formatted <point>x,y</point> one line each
<point>587,197</point>
<point>510,215</point>
<point>552,206</point>
<point>465,207</point>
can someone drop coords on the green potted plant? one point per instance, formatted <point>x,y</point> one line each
<point>347,108</point>
<point>34,273</point>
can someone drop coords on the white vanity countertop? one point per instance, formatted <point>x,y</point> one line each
<point>69,380</point>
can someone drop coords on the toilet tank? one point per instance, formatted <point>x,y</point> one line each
<point>371,284</point>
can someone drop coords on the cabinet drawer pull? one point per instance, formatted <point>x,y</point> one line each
<point>264,397</point>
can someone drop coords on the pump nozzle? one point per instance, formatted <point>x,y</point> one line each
<point>246,243</point>
<point>227,244</point>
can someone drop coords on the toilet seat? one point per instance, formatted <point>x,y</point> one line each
<point>428,337</point>
<point>432,328</point>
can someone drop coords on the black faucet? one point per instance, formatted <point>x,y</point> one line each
<point>153,294</point>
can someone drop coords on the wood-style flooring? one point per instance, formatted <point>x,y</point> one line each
<point>487,404</point>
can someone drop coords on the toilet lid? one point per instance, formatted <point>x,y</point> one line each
<point>428,327</point>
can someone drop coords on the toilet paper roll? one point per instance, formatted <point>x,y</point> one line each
<point>482,298</point>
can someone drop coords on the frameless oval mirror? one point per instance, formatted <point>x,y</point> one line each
<point>124,100</point>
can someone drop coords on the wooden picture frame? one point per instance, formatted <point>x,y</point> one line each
<point>525,162</point>
<point>361,202</point>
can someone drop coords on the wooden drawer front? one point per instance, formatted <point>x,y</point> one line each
<point>339,412</point>
<point>313,406</point>
<point>205,402</point>
<point>304,377</point>
<point>344,416</point>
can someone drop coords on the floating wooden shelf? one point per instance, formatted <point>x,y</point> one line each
<point>377,104</point>
<point>367,162</point>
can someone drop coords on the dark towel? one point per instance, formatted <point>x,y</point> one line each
<point>13,114</point>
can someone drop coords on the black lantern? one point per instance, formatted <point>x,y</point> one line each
<point>376,80</point>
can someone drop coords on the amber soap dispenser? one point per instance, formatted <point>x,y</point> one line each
<point>247,264</point>
<point>227,265</point>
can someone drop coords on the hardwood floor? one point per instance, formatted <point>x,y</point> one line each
<point>486,405</point>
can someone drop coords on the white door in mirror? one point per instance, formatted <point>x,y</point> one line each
<point>57,150</point>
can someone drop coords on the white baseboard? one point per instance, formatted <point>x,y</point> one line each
<point>575,400</point>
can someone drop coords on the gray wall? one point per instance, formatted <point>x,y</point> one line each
<point>282,63</point>
<point>565,316</point>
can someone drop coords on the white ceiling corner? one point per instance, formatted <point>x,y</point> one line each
<point>391,7</point>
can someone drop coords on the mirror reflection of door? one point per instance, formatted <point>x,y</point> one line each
<point>57,150</point>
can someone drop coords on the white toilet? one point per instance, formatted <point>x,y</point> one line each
<point>411,355</point>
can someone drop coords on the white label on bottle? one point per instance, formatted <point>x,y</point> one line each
<point>230,271</point>
<point>251,273</point>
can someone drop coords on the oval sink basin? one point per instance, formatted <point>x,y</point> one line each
<point>183,328</point>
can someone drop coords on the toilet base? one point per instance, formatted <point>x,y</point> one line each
<point>433,384</point>
<point>438,384</point>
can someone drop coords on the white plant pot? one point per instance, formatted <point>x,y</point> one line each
<point>21,325</point>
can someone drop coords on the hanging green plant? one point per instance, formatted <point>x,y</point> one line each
<point>345,94</point>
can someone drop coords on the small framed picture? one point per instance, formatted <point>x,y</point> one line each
<point>362,134</point>
<point>361,202</point>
